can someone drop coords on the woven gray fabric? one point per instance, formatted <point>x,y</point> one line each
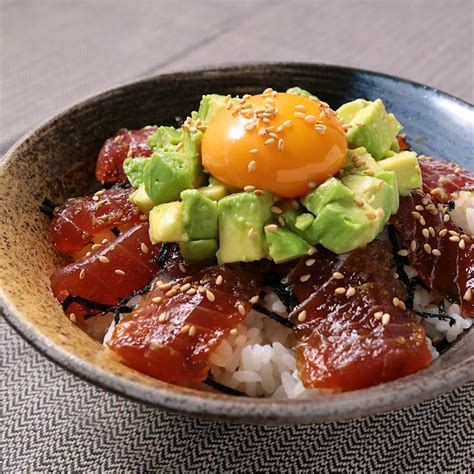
<point>55,53</point>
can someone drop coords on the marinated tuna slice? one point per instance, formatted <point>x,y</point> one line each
<point>176,327</point>
<point>85,220</point>
<point>126,144</point>
<point>97,282</point>
<point>353,330</point>
<point>441,253</point>
<point>442,179</point>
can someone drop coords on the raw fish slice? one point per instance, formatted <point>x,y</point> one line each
<point>176,327</point>
<point>127,143</point>
<point>442,179</point>
<point>343,341</point>
<point>102,279</point>
<point>81,220</point>
<point>442,254</point>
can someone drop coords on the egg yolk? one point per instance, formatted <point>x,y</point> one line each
<point>278,142</point>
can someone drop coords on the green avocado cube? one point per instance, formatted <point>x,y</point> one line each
<point>373,128</point>
<point>343,226</point>
<point>134,168</point>
<point>210,106</point>
<point>284,245</point>
<point>140,198</point>
<point>331,190</point>
<point>166,223</point>
<point>359,161</point>
<point>199,216</point>
<point>299,222</point>
<point>242,217</point>
<point>197,251</point>
<point>214,191</point>
<point>303,221</point>
<point>348,111</point>
<point>407,170</point>
<point>375,192</point>
<point>391,179</point>
<point>165,138</point>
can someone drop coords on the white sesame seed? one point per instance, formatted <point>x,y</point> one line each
<point>96,247</point>
<point>171,293</point>
<point>144,248</point>
<point>299,115</point>
<point>419,208</point>
<point>233,332</point>
<point>395,302</point>
<point>254,299</point>
<point>454,238</point>
<point>104,241</point>
<point>312,185</point>
<point>431,231</point>
<point>340,290</point>
<point>468,295</point>
<point>295,204</point>
<point>350,292</point>
<point>302,316</point>
<point>184,329</point>
<point>378,315</point>
<point>95,197</point>
<point>72,317</point>
<point>271,228</point>
<point>413,245</point>
<point>310,262</point>
<point>103,259</point>
<point>402,305</point>
<point>119,272</point>
<point>320,128</point>
<point>191,291</point>
<point>426,233</point>
<point>287,123</point>
<point>249,188</point>
<point>305,277</point>
<point>446,218</point>
<point>219,280</point>
<point>338,275</point>
<point>402,253</point>
<point>252,233</point>
<point>436,253</point>
<point>262,131</point>
<point>269,141</point>
<point>281,144</point>
<point>241,309</point>
<point>310,118</point>
<point>427,248</point>
<point>164,286</point>
<point>157,299</point>
<point>182,267</point>
<point>443,232</point>
<point>300,107</point>
<point>210,296</point>
<point>279,129</point>
<point>82,274</point>
<point>385,319</point>
<point>252,166</point>
<point>253,151</point>
<point>249,126</point>
<point>268,91</point>
<point>185,287</point>
<point>276,210</point>
<point>462,244</point>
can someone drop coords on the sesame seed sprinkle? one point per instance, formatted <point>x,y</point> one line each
<point>252,233</point>
<point>241,309</point>
<point>287,123</point>
<point>338,275</point>
<point>210,296</point>
<point>312,185</point>
<point>427,248</point>
<point>171,293</point>
<point>281,144</point>
<point>269,141</point>
<point>402,253</point>
<point>249,188</point>
<point>157,299</point>
<point>252,166</point>
<point>144,248</point>
<point>103,259</point>
<point>271,228</point>
<point>182,267</point>
<point>385,319</point>
<point>192,331</point>
<point>468,295</point>
<point>310,118</point>
<point>431,231</point>
<point>302,316</point>
<point>96,247</point>
<point>413,245</point>
<point>219,280</point>
<point>162,317</point>
<point>164,286</point>
<point>378,315</point>
<point>446,218</point>
<point>300,107</point>
<point>82,274</point>
<point>462,244</point>
<point>436,253</point>
<point>276,210</point>
<point>299,115</point>
<point>310,262</point>
<point>350,292</point>
<point>185,287</point>
<point>281,221</point>
<point>305,277</point>
<point>184,329</point>
<point>253,151</point>
<point>454,238</point>
<point>443,232</point>
<point>340,290</point>
<point>426,233</point>
<point>119,272</point>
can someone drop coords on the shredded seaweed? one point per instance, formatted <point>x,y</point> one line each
<point>115,231</point>
<point>276,317</point>
<point>223,388</point>
<point>451,205</point>
<point>442,314</point>
<point>47,207</point>
<point>283,290</point>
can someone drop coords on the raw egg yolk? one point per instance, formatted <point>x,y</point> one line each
<point>278,142</point>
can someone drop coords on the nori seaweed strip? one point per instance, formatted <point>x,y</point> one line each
<point>115,231</point>
<point>445,317</point>
<point>84,302</point>
<point>164,255</point>
<point>276,317</point>
<point>399,260</point>
<point>47,207</point>
<point>223,388</point>
<point>451,205</point>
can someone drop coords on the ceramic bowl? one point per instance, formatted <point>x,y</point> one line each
<point>56,160</point>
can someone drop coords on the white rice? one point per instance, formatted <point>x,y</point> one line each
<point>259,361</point>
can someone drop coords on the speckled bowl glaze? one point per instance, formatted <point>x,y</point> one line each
<point>56,160</point>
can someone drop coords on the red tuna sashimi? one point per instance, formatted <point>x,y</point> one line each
<point>441,253</point>
<point>343,340</point>
<point>177,326</point>
<point>102,279</point>
<point>81,221</point>
<point>442,178</point>
<point>128,143</point>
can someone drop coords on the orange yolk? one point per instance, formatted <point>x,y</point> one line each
<point>283,143</point>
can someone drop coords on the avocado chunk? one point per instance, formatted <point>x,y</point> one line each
<point>133,168</point>
<point>390,178</point>
<point>407,170</point>
<point>166,223</point>
<point>360,162</point>
<point>284,245</point>
<point>348,111</point>
<point>210,106</point>
<point>371,127</point>
<point>140,198</point>
<point>300,91</point>
<point>299,222</point>
<point>199,250</point>
<point>215,192</point>
<point>165,138</point>
<point>343,226</point>
<point>304,221</point>
<point>242,217</point>
<point>375,192</point>
<point>199,216</point>
<point>331,190</point>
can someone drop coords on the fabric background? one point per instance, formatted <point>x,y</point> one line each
<point>55,53</point>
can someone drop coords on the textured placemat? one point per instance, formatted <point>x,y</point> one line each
<point>55,53</point>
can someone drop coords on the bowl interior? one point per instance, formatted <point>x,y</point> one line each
<point>57,161</point>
